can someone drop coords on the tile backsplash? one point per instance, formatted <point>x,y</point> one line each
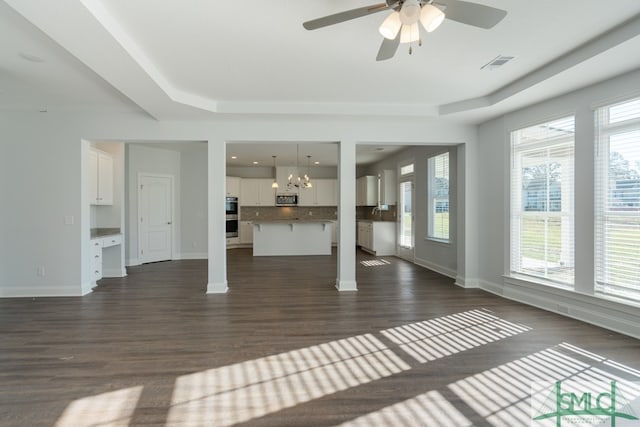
<point>248,213</point>
<point>366,212</point>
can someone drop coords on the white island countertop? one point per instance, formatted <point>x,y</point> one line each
<point>291,237</point>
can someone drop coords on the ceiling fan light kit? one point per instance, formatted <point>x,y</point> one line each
<point>401,26</point>
<point>390,27</point>
<point>431,17</point>
<point>410,33</point>
<point>410,12</point>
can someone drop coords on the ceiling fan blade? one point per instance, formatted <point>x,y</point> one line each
<point>474,14</point>
<point>344,16</point>
<point>388,48</point>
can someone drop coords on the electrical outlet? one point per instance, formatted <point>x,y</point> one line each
<point>69,220</point>
<point>194,244</point>
<point>40,271</point>
<point>257,213</point>
<point>310,213</point>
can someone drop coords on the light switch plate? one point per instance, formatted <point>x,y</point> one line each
<point>69,220</point>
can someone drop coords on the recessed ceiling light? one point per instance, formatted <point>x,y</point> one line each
<point>255,163</point>
<point>29,57</point>
<point>234,157</point>
<point>316,163</point>
<point>379,148</point>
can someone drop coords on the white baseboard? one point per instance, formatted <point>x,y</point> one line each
<point>217,288</point>
<point>600,312</point>
<point>445,271</point>
<point>466,283</point>
<point>191,255</point>
<point>45,291</point>
<point>132,262</point>
<point>114,272</point>
<point>346,285</point>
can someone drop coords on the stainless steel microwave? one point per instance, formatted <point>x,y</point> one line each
<point>286,199</point>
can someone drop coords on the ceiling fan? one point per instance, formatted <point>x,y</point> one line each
<point>402,25</point>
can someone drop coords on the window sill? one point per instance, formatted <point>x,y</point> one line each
<point>528,281</point>
<point>560,291</point>
<point>438,241</point>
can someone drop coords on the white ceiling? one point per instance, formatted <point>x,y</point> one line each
<point>193,59</point>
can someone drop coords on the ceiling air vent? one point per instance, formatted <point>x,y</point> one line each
<point>496,62</point>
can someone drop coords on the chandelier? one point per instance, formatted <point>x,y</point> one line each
<point>300,182</point>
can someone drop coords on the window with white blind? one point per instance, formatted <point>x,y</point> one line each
<point>438,200</point>
<point>542,201</point>
<point>617,201</point>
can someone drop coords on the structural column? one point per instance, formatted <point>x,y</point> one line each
<point>346,280</point>
<point>217,283</point>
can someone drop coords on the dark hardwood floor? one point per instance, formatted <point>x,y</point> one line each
<point>284,347</point>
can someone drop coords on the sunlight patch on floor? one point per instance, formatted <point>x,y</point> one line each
<point>428,409</point>
<point>374,262</point>
<point>444,336</point>
<point>238,393</point>
<point>502,395</point>
<point>111,409</point>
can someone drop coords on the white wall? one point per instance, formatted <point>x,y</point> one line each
<point>193,206</point>
<point>438,256</point>
<point>151,160</point>
<point>45,151</point>
<point>493,206</point>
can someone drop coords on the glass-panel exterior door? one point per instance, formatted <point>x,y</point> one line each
<point>407,226</point>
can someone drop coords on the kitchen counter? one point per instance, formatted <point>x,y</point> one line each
<point>101,232</point>
<point>293,221</point>
<point>292,237</point>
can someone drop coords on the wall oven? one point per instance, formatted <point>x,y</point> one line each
<point>231,216</point>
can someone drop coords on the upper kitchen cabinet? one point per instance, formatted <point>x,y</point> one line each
<point>322,193</point>
<point>367,191</point>
<point>101,177</point>
<point>387,184</point>
<point>233,186</point>
<point>257,192</point>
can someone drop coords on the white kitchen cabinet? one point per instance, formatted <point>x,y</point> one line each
<point>233,186</point>
<point>246,232</point>
<point>307,196</point>
<point>98,244</point>
<point>100,177</point>
<point>388,190</point>
<point>367,190</point>
<point>257,192</point>
<point>249,192</point>
<point>326,192</point>
<point>267,194</point>
<point>96,259</point>
<point>377,237</point>
<point>323,193</point>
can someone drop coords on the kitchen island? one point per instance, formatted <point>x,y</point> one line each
<point>291,237</point>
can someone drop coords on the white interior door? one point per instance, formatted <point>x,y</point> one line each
<point>155,222</point>
<point>406,232</point>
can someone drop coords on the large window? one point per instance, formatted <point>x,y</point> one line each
<point>438,200</point>
<point>542,198</point>
<point>617,210</point>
